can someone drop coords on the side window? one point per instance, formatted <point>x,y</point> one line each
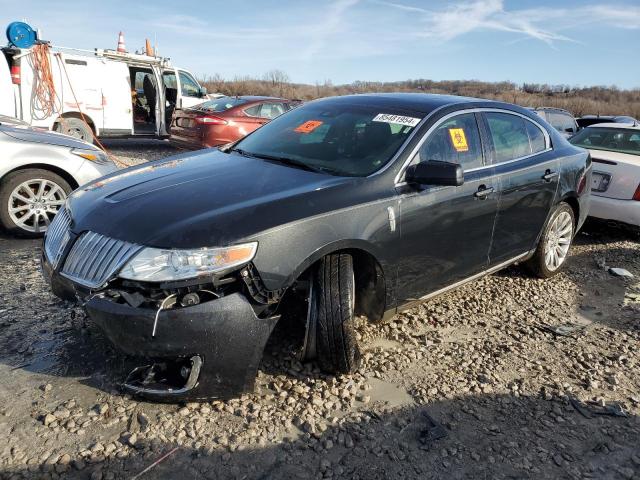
<point>188,86</point>
<point>561,122</point>
<point>169,79</point>
<point>457,140</point>
<point>509,135</point>
<point>536,137</point>
<point>253,111</point>
<point>271,110</point>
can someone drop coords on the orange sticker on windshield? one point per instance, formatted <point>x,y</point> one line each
<point>458,139</point>
<point>308,127</point>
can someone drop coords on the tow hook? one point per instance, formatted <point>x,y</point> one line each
<point>164,379</point>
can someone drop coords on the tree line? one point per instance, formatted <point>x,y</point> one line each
<point>597,100</point>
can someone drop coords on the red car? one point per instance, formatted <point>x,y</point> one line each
<point>224,120</point>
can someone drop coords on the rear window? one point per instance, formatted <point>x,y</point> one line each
<point>344,139</point>
<point>220,104</point>
<point>611,139</point>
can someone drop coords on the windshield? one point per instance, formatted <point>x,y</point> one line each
<point>613,139</point>
<point>350,140</point>
<point>220,104</point>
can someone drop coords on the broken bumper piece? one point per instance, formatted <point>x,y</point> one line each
<point>210,350</point>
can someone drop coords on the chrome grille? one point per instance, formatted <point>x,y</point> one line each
<point>94,258</point>
<point>57,236</point>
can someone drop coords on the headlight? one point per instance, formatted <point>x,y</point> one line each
<point>97,156</point>
<point>160,265</point>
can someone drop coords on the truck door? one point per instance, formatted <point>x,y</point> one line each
<point>189,91</point>
<point>7,95</point>
<point>116,100</point>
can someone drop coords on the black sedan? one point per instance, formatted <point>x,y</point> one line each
<point>346,206</point>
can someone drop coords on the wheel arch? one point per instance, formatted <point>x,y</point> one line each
<point>571,198</point>
<point>372,279</point>
<point>80,116</point>
<point>45,166</point>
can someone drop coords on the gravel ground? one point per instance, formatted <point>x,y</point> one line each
<point>472,384</point>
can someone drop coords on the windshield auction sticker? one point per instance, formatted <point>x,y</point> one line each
<point>308,126</point>
<point>459,139</point>
<point>397,119</point>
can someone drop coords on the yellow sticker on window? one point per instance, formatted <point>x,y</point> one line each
<point>458,139</point>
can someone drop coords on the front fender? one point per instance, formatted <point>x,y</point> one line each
<point>287,251</point>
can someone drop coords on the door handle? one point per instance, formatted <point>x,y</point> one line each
<point>549,175</point>
<point>483,192</point>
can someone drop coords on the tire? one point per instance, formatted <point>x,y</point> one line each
<point>17,185</point>
<point>331,315</point>
<point>556,237</point>
<point>75,127</point>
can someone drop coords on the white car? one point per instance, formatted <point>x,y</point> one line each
<point>38,170</point>
<point>615,188</point>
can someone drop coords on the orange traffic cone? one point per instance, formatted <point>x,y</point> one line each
<point>148,48</point>
<point>121,47</point>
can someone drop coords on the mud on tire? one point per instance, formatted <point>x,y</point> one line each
<point>331,311</point>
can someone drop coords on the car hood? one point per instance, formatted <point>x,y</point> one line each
<point>28,134</point>
<point>201,199</point>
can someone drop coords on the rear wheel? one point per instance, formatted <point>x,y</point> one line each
<point>29,199</point>
<point>330,335</point>
<point>74,127</point>
<point>553,248</point>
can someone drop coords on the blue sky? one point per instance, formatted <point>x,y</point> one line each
<point>586,42</point>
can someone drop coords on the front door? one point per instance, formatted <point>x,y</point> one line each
<point>189,93</point>
<point>445,232</point>
<point>529,172</point>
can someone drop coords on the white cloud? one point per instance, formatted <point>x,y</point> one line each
<point>543,24</point>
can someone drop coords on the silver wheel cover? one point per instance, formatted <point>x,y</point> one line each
<point>558,241</point>
<point>33,204</point>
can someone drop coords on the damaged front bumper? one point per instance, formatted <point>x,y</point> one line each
<point>213,348</point>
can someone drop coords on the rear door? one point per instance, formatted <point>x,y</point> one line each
<point>445,232</point>
<point>528,172</point>
<point>116,99</point>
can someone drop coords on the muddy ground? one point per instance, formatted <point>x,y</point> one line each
<point>472,384</point>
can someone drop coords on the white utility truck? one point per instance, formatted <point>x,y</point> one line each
<point>105,93</point>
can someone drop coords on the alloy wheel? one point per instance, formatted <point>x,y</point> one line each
<point>558,241</point>
<point>34,203</point>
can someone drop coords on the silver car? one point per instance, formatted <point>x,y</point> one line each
<point>38,169</point>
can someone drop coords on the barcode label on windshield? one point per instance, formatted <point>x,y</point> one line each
<point>397,119</point>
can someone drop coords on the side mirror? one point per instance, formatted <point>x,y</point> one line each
<point>435,173</point>
<point>203,92</point>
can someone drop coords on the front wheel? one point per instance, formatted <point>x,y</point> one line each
<point>331,318</point>
<point>29,199</point>
<point>553,248</point>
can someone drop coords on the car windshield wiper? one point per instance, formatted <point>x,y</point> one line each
<point>284,160</point>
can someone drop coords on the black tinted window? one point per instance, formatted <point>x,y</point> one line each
<point>509,136</point>
<point>536,137</point>
<point>344,139</point>
<point>457,140</point>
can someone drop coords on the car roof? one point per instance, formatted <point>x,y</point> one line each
<point>628,126</point>
<point>555,109</point>
<point>256,98</point>
<point>418,102</point>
